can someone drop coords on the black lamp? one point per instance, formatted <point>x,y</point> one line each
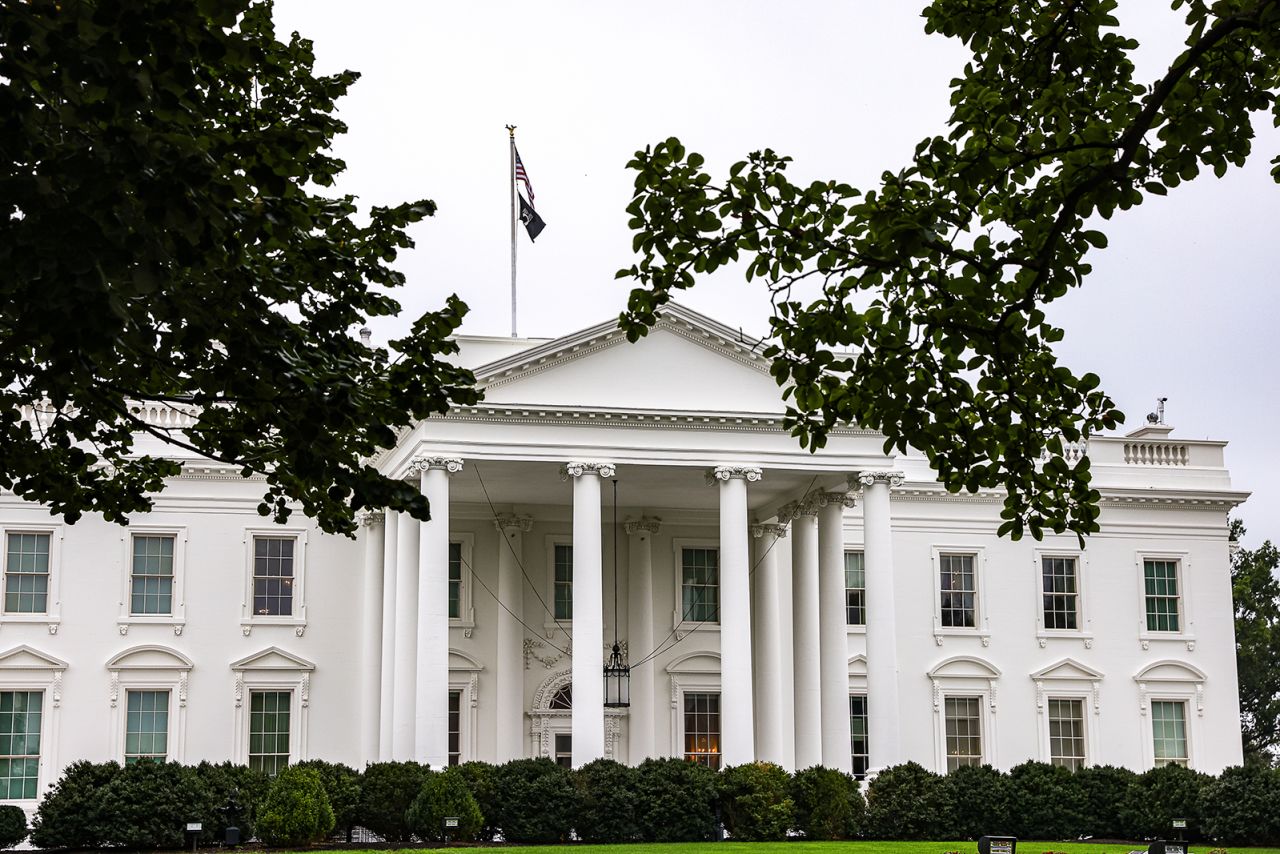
<point>617,673</point>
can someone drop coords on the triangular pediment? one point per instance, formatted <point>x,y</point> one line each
<point>272,658</point>
<point>150,658</point>
<point>687,362</point>
<point>858,665</point>
<point>23,657</point>
<point>1067,668</point>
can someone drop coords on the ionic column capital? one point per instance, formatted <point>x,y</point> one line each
<point>503,521</point>
<point>751,474</point>
<point>578,469</point>
<point>774,530</point>
<point>870,478</point>
<point>647,526</point>
<point>423,462</point>
<point>371,517</point>
<point>826,499</point>
<point>807,506</point>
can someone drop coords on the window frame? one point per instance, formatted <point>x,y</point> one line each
<point>1086,727</point>
<point>150,667</point>
<point>464,677</point>
<point>981,623</point>
<point>1185,704</point>
<point>549,622</point>
<point>177,616</point>
<point>293,705</point>
<point>684,733</point>
<point>1186,617</point>
<point>1084,624</point>
<point>273,669</point>
<point>52,615</point>
<point>24,668</point>
<point>1172,681</point>
<point>696,673</point>
<point>867,716</point>
<point>466,619</point>
<point>298,619</point>
<point>965,676</point>
<point>1068,679</point>
<point>856,628</point>
<point>678,623</point>
<point>980,717</point>
<point>168,727</point>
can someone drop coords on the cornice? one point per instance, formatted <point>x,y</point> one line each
<point>635,418</point>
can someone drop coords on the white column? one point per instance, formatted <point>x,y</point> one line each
<point>833,632</point>
<point>371,634</point>
<point>588,612</point>
<point>768,644</point>
<point>509,687</point>
<point>406,627</point>
<point>387,700</point>
<point>431,697</point>
<point>737,714</point>
<point>883,724</point>
<point>804,628</point>
<point>641,715</point>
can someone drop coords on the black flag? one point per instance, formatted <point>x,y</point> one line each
<point>532,222</point>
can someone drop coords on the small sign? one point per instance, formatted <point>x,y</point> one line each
<point>194,827</point>
<point>451,821</point>
<point>997,845</point>
<point>1179,823</point>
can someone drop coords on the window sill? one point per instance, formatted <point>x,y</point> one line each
<point>178,624</point>
<point>1145,639</point>
<point>855,629</point>
<point>1043,636</point>
<point>683,629</point>
<point>53,621</point>
<point>940,634</point>
<point>467,626</point>
<point>298,624</point>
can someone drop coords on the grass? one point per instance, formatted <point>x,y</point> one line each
<point>844,848</point>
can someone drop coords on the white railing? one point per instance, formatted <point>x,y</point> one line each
<point>166,416</point>
<point>1156,454</point>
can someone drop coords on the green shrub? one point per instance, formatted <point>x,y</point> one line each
<point>1242,807</point>
<point>479,777</point>
<point>388,790</point>
<point>828,804</point>
<point>907,802</point>
<point>13,825</point>
<point>677,801</point>
<point>1159,796</point>
<point>148,804</point>
<point>342,785</point>
<point>444,795</point>
<point>297,811</point>
<point>217,783</point>
<point>755,802</point>
<point>608,802</point>
<point>1047,802</point>
<point>1104,794</point>
<point>70,815</point>
<point>979,798</point>
<point>535,801</point>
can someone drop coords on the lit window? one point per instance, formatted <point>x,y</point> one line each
<point>26,574</point>
<point>959,590</point>
<point>269,730</point>
<point>455,727</point>
<point>702,729</point>
<point>855,589</point>
<point>1161,579</point>
<point>20,713</point>
<point>455,580</point>
<point>563,591</point>
<point>273,576</point>
<point>1169,731</point>
<point>1066,733</point>
<point>700,585</point>
<point>146,730</point>
<point>859,745</point>
<point>151,582</point>
<point>964,731</point>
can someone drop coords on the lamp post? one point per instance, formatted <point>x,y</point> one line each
<point>617,673</point>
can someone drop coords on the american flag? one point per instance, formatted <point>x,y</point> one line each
<point>522,175</point>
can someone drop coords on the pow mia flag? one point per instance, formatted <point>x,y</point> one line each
<point>532,222</point>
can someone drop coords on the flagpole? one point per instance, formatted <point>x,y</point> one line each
<point>511,131</point>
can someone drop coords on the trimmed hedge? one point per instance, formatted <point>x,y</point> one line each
<point>1048,802</point>
<point>755,802</point>
<point>908,802</point>
<point>608,802</point>
<point>1104,794</point>
<point>677,801</point>
<point>828,804</point>
<point>297,810</point>
<point>980,798</point>
<point>13,825</point>
<point>444,795</point>
<point>387,792</point>
<point>534,801</point>
<point>342,786</point>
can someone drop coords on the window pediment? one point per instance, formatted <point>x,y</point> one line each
<point>149,657</point>
<point>1068,668</point>
<point>1169,671</point>
<point>272,658</point>
<point>696,662</point>
<point>964,667</point>
<point>23,657</point>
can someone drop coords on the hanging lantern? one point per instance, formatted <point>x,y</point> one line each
<point>617,681</point>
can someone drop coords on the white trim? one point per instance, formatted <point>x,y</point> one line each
<point>1186,623</point>
<point>981,623</point>
<point>1084,623</point>
<point>150,667</point>
<point>52,616</point>
<point>550,624</point>
<point>272,669</point>
<point>177,616</point>
<point>856,548</point>
<point>298,620</point>
<point>1176,681</point>
<point>681,625</point>
<point>545,723</point>
<point>698,680</point>
<point>965,676</point>
<point>44,674</point>
<point>466,619</point>
<point>464,677</point>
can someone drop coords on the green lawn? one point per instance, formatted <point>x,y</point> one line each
<point>841,848</point>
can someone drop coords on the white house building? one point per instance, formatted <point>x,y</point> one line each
<point>837,608</point>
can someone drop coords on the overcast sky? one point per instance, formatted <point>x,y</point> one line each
<point>1183,304</point>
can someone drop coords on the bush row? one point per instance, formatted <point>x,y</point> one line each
<point>662,800</point>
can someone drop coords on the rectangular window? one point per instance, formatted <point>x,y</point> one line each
<point>959,591</point>
<point>26,574</point>
<point>1169,731</point>
<point>20,713</point>
<point>700,585</point>
<point>1061,593</point>
<point>859,746</point>
<point>1066,733</point>
<point>273,576</point>
<point>269,730</point>
<point>146,729</point>
<point>455,580</point>
<point>964,731</point>
<point>702,729</point>
<point>564,749</point>
<point>455,727</point>
<point>563,591</point>
<point>855,589</point>
<point>1161,579</point>
<point>151,582</point>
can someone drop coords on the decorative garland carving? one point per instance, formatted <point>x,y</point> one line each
<point>647,525</point>
<point>182,689</point>
<point>503,521</point>
<point>115,689</point>
<point>547,661</point>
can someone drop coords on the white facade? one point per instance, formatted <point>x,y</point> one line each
<point>716,505</point>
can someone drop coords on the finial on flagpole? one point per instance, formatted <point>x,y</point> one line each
<point>511,129</point>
